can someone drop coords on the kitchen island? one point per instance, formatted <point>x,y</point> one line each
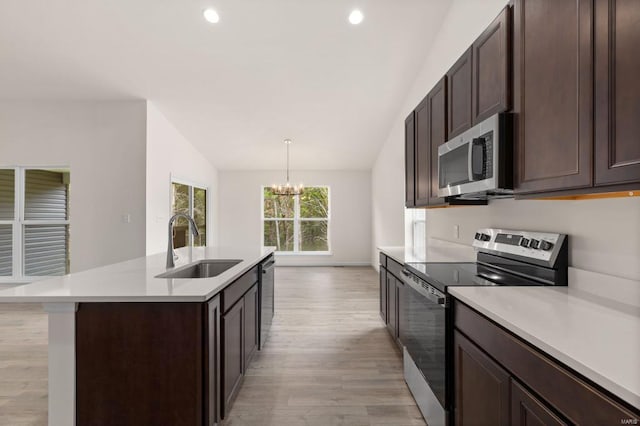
<point>126,347</point>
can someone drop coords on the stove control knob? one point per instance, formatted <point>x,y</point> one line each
<point>534,243</point>
<point>545,245</point>
<point>485,237</point>
<point>524,242</point>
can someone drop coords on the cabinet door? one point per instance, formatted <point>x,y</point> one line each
<point>423,154</point>
<point>383,294</point>
<point>409,161</point>
<point>212,356</point>
<point>617,106</point>
<point>553,94</point>
<point>402,310</point>
<point>250,324</point>
<point>481,386</point>
<point>437,100</point>
<point>491,68</point>
<point>527,410</point>
<point>392,306</point>
<point>459,95</point>
<point>233,369</point>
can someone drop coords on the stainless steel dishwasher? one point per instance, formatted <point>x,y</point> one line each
<point>267,294</point>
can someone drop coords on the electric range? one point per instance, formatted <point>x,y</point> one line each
<point>504,258</point>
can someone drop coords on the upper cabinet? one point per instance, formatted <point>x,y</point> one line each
<point>553,87</point>
<point>577,110</point>
<point>437,103</point>
<point>409,160</point>
<point>491,58</point>
<point>617,92</point>
<point>425,131</point>
<point>459,95</point>
<point>423,154</point>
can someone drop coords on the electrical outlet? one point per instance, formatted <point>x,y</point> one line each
<point>126,218</point>
<point>456,231</point>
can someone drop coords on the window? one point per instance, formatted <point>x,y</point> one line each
<point>34,223</point>
<point>297,224</point>
<point>190,200</point>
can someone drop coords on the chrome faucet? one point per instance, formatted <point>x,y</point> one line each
<point>171,255</point>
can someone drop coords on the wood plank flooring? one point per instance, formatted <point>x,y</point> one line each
<point>328,360</point>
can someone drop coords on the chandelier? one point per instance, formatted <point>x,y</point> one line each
<point>287,189</point>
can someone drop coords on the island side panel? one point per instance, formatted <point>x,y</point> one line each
<point>139,364</point>
<point>62,365</point>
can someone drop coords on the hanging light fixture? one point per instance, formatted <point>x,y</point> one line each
<point>287,189</point>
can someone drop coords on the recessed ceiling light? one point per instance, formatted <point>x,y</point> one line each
<point>355,17</point>
<point>211,16</point>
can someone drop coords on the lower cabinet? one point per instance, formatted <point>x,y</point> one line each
<point>527,410</point>
<point>502,380</point>
<point>240,341</point>
<point>391,297</point>
<point>212,365</point>
<point>482,386</point>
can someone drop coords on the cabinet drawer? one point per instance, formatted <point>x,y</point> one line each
<point>394,267</point>
<point>383,260</point>
<point>238,288</point>
<point>560,388</point>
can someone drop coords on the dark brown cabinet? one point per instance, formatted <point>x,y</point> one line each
<point>482,386</point>
<point>232,357</point>
<point>391,297</point>
<point>437,104</point>
<point>491,58</point>
<point>392,306</point>
<point>459,95</point>
<point>251,324</point>
<point>500,379</point>
<point>240,341</point>
<point>527,410</point>
<point>617,92</point>
<point>422,154</point>
<point>212,366</point>
<point>383,294</point>
<point>553,94</point>
<point>409,160</point>
<point>426,128</point>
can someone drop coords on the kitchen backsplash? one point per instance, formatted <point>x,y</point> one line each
<point>604,233</point>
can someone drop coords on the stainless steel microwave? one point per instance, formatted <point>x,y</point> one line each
<point>479,162</point>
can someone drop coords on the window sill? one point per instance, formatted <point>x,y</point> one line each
<point>303,253</point>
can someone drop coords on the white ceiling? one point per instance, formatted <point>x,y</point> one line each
<point>269,70</point>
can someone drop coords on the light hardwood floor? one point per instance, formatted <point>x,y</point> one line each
<point>328,360</point>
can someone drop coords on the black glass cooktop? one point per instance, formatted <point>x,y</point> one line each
<point>443,275</point>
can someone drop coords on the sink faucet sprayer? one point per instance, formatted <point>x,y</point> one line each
<point>171,255</point>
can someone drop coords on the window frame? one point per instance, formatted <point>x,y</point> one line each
<point>192,185</point>
<point>19,223</point>
<point>296,219</point>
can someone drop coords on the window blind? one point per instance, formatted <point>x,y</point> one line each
<point>6,250</point>
<point>45,245</point>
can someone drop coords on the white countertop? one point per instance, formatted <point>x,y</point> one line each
<point>435,251</point>
<point>134,280</point>
<point>596,337</point>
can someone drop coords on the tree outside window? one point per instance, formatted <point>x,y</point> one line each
<point>297,224</point>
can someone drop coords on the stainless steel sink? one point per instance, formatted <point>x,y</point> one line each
<point>201,269</point>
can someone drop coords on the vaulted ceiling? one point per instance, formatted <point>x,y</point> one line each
<point>269,70</point>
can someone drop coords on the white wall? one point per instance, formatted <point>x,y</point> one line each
<point>605,233</point>
<point>350,202</point>
<point>103,143</point>
<point>169,155</point>
<point>464,21</point>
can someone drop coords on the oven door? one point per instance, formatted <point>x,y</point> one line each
<point>424,330</point>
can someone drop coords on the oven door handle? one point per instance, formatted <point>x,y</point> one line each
<point>435,297</point>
